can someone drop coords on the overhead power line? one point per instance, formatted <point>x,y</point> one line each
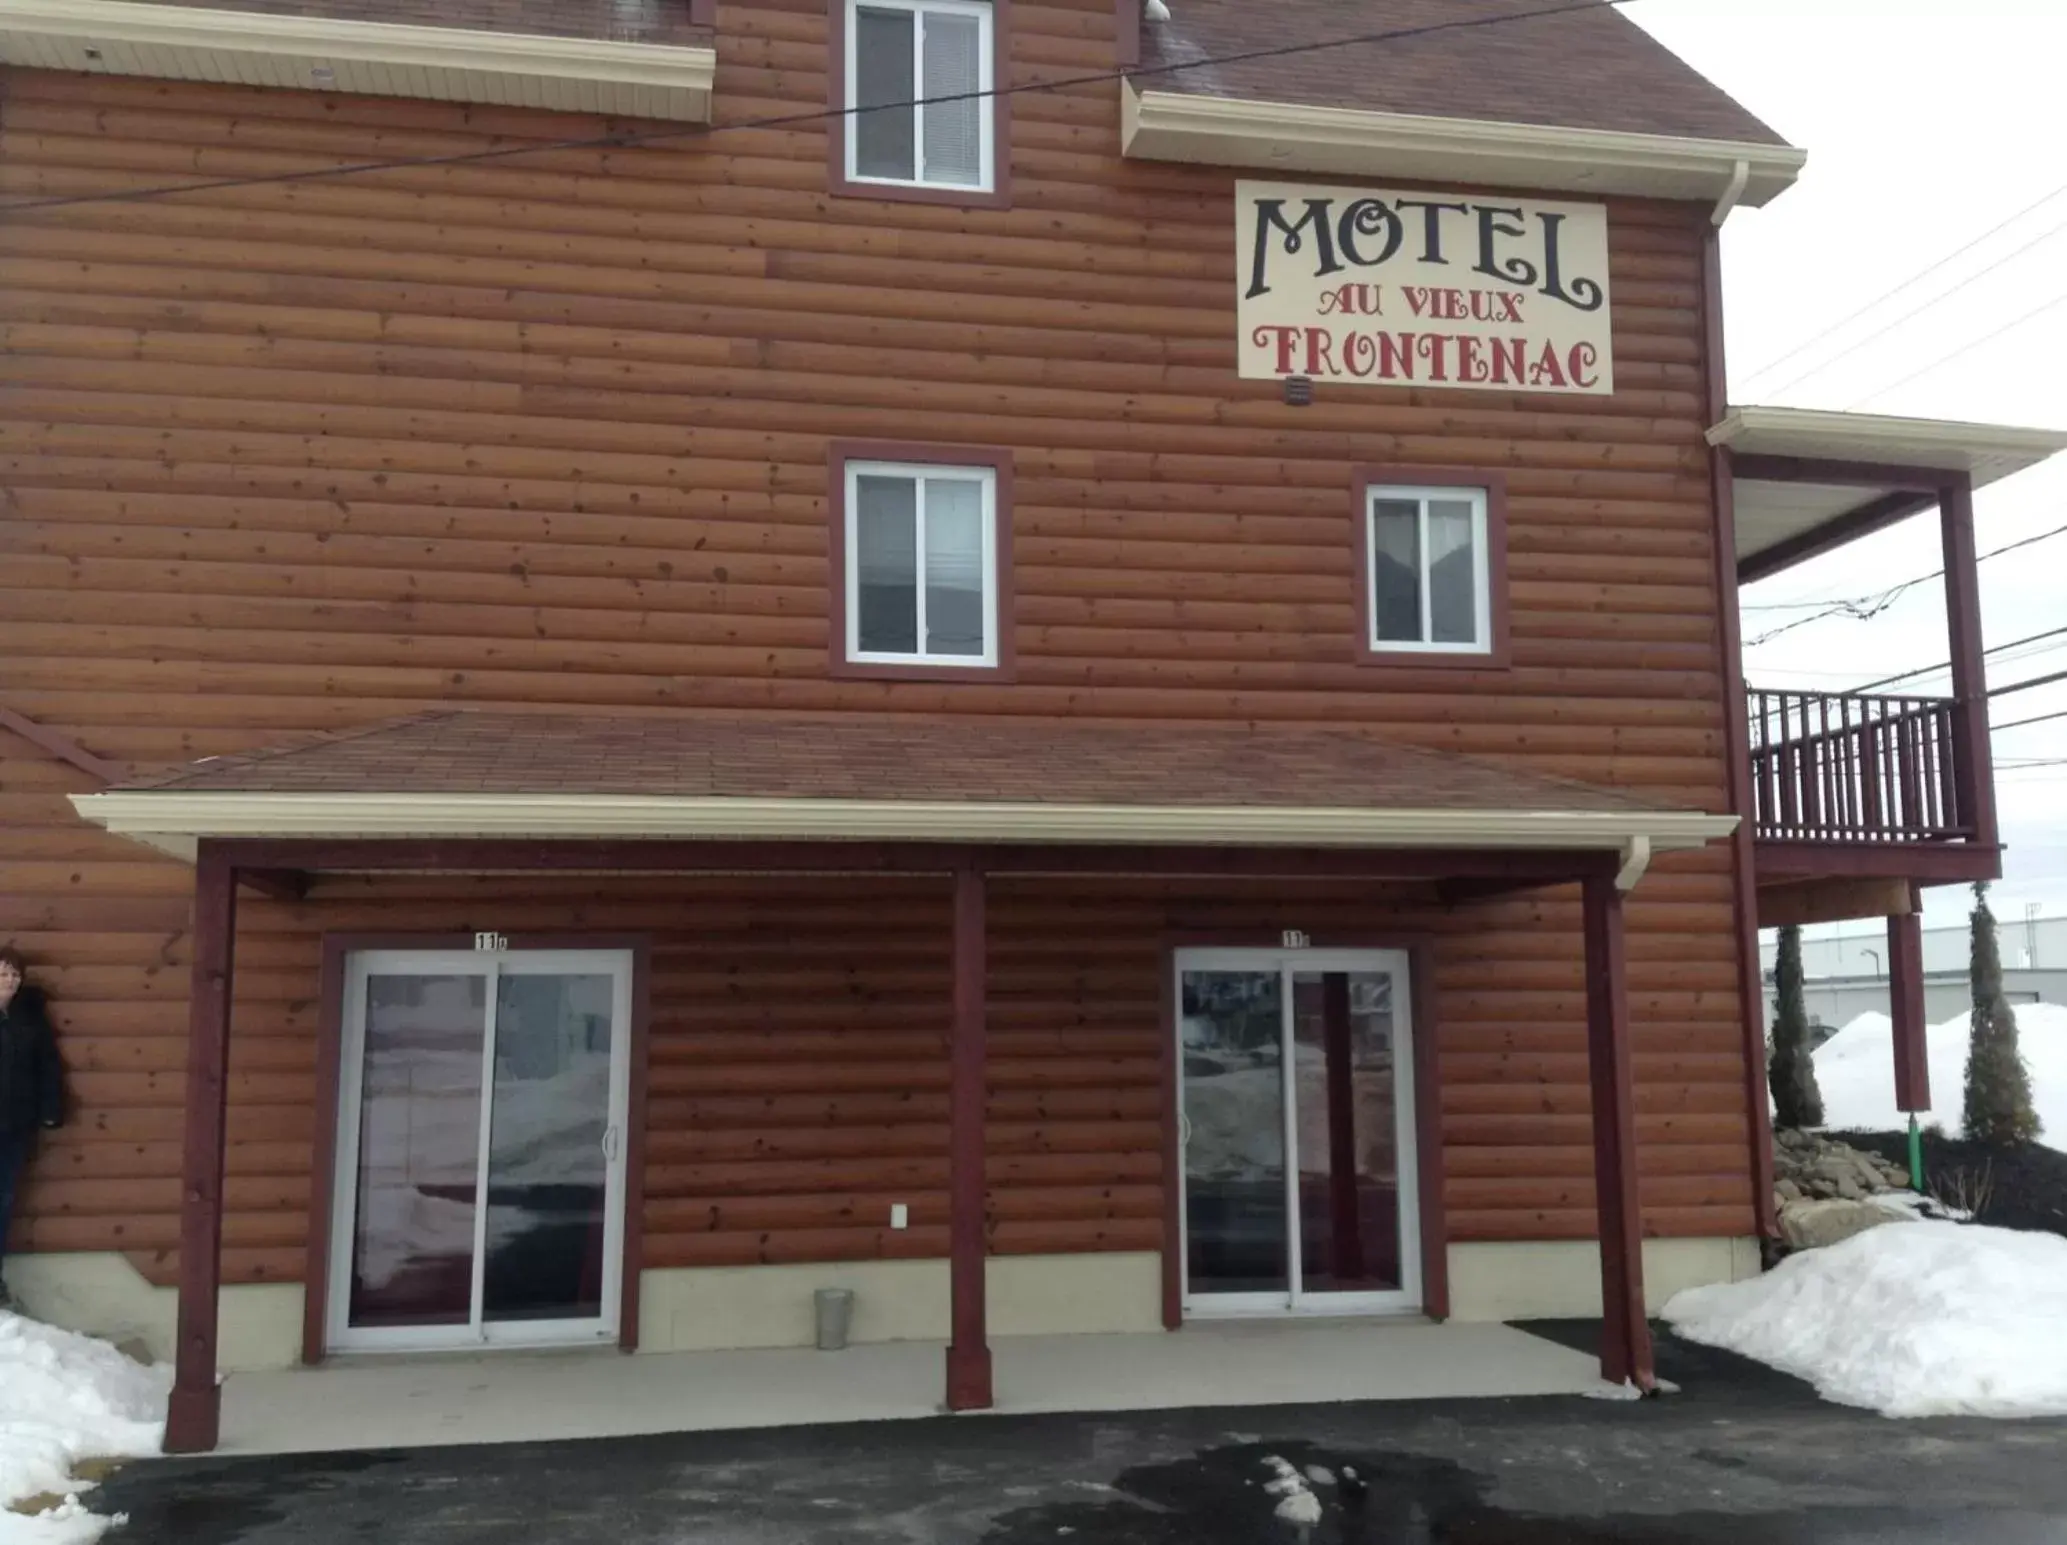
<point>622,141</point>
<point>1872,604</point>
<point>1918,310</point>
<point>1946,665</point>
<point>1911,282</point>
<point>2019,724</point>
<point>1963,350</point>
<point>2025,686</point>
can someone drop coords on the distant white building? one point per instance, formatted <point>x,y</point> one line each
<point>1846,973</point>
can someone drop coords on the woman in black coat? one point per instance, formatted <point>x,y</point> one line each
<point>32,1083</point>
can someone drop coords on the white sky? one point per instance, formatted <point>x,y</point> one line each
<point>1926,122</point>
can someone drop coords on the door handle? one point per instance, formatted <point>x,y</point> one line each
<point>610,1144</point>
<point>1183,1130</point>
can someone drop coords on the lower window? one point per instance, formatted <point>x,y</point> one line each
<point>921,564</point>
<point>480,1177</point>
<point>1427,570</point>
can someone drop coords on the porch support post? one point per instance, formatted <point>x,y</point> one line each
<point>968,1353</point>
<point>1905,1007</point>
<point>1973,763</point>
<point>1625,1334</point>
<point>194,1419</point>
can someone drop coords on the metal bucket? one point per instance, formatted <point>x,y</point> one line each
<point>835,1312</point>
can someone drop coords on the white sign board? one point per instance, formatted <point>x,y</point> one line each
<point>1382,287</point>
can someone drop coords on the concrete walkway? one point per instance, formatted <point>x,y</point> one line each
<point>515,1397</point>
<point>1741,1455</point>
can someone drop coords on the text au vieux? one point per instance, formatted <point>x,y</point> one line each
<point>1406,339</point>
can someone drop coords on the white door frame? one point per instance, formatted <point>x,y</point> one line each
<point>1286,964</point>
<point>491,965</point>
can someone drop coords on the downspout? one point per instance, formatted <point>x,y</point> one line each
<point>1737,759</point>
<point>1735,191</point>
<point>1636,858</point>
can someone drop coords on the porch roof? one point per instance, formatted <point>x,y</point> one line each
<point>460,774</point>
<point>1808,480</point>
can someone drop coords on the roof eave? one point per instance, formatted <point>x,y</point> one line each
<point>173,821</point>
<point>1948,445</point>
<point>1297,137</point>
<point>453,64</point>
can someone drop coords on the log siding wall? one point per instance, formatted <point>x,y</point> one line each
<point>305,455</point>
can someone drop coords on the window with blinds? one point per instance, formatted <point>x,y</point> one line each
<point>1428,578</point>
<point>917,76</point>
<point>921,564</point>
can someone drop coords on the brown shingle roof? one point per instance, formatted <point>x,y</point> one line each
<point>875,757</point>
<point>619,21</point>
<point>1587,69</point>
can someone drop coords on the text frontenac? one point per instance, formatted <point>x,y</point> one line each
<point>1390,288</point>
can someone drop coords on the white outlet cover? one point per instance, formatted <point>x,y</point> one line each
<point>900,1215</point>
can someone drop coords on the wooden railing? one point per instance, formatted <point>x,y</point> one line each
<point>1855,768</point>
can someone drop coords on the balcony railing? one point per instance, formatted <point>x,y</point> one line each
<point>1853,768</point>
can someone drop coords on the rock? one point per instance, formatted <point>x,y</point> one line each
<point>1849,1189</point>
<point>1787,1191</point>
<point>1811,1225</point>
<point>137,1350</point>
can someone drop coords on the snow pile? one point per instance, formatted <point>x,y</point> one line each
<point>63,1398</point>
<point>1855,1069</point>
<point>1296,1502</point>
<point>1925,1319</point>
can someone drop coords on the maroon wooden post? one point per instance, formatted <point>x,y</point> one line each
<point>968,1353</point>
<point>1905,1007</point>
<point>1345,1220</point>
<point>1126,28</point>
<point>1625,1354</point>
<point>1972,761</point>
<point>1751,1018</point>
<point>194,1420</point>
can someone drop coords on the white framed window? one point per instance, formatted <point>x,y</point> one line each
<point>917,71</point>
<point>922,564</point>
<point>1427,571</point>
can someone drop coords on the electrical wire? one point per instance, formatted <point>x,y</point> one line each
<point>1962,351</point>
<point>1882,331</point>
<point>1946,665</point>
<point>620,141</point>
<point>1872,604</point>
<point>1997,729</point>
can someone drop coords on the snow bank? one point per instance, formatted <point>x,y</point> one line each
<point>65,1397</point>
<point>1912,1319</point>
<point>1855,1069</point>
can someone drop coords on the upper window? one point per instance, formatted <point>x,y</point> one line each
<point>919,75</point>
<point>1428,570</point>
<point>922,564</point>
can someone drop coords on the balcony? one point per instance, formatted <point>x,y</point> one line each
<point>1858,769</point>
<point>1866,793</point>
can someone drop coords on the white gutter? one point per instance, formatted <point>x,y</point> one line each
<point>1289,136</point>
<point>1636,858</point>
<point>172,821</point>
<point>455,64</point>
<point>1739,176</point>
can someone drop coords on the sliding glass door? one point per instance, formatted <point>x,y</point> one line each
<point>1296,1125</point>
<point>480,1173</point>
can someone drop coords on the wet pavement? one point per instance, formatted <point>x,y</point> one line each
<point>1740,1455</point>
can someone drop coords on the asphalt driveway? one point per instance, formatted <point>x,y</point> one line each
<point>1740,1454</point>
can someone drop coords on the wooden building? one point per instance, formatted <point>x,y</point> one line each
<point>1074,671</point>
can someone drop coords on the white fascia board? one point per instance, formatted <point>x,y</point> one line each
<point>173,821</point>
<point>196,44</point>
<point>1823,434</point>
<point>1297,137</point>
